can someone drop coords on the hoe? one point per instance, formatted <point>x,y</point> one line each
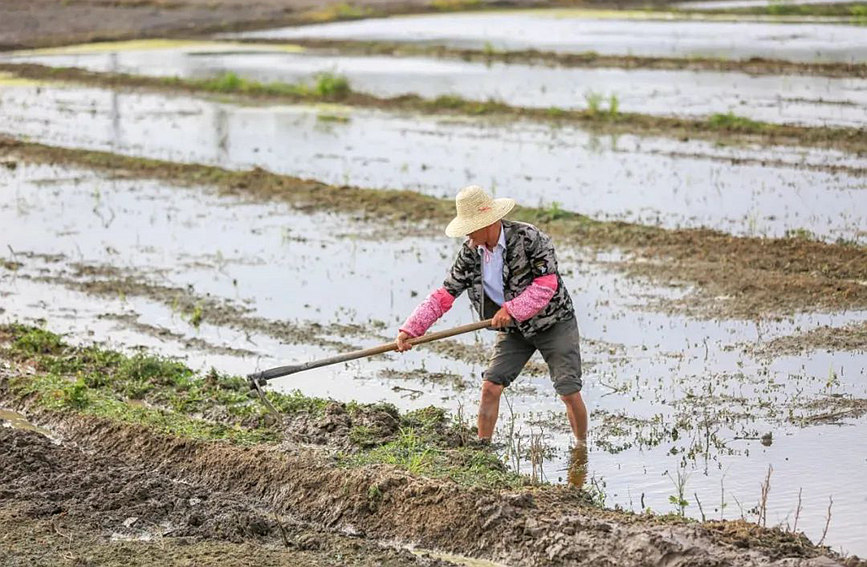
<point>259,379</point>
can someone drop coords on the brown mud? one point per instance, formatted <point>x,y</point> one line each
<point>756,66</point>
<point>231,494</point>
<point>61,505</point>
<point>726,129</point>
<point>852,338</point>
<point>47,23</point>
<point>728,276</point>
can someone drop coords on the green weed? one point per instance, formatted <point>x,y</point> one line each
<point>730,121</point>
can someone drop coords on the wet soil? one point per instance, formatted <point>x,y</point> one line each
<point>755,66</point>
<point>228,492</point>
<point>36,23</point>
<point>91,509</point>
<point>41,23</point>
<point>849,338</point>
<point>729,131</point>
<point>317,442</point>
<point>728,276</point>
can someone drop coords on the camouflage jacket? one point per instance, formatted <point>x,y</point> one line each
<point>529,255</point>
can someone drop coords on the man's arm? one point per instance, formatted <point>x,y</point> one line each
<point>543,266</point>
<point>439,301</point>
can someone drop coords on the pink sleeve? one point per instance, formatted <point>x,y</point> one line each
<point>427,312</point>
<point>533,299</point>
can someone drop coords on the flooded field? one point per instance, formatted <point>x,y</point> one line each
<point>269,284</point>
<point>723,324</point>
<point>753,191</point>
<point>792,99</point>
<point>577,31</point>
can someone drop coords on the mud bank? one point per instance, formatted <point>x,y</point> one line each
<point>96,510</point>
<point>610,33</point>
<point>754,66</point>
<point>258,492</point>
<point>732,276</point>
<point>40,23</point>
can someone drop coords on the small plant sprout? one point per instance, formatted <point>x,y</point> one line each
<point>594,102</point>
<point>678,499</point>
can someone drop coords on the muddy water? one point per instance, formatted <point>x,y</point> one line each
<point>576,31</point>
<point>804,100</point>
<point>15,420</point>
<point>754,191</point>
<point>322,269</point>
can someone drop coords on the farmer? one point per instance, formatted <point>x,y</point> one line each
<point>510,272</point>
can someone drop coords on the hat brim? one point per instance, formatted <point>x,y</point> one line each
<point>464,226</point>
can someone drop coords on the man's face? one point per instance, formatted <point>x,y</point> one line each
<point>479,237</point>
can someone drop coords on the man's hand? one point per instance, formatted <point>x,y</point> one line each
<point>501,319</point>
<point>402,341</point>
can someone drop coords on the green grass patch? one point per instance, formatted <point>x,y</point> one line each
<point>455,5</point>
<point>166,396</point>
<point>733,122</point>
<point>418,452</point>
<point>55,392</point>
<point>325,86</point>
<point>157,380</point>
<point>340,11</point>
<point>32,341</point>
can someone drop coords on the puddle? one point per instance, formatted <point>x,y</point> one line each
<point>807,99</point>
<point>15,420</point>
<point>658,181</point>
<point>320,269</point>
<point>610,34</point>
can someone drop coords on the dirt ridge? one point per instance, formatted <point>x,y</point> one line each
<point>547,526</point>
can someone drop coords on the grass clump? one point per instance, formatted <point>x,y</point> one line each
<point>143,377</point>
<point>595,107</point>
<point>455,5</point>
<point>340,11</point>
<point>419,452</point>
<point>731,121</point>
<point>594,102</point>
<point>55,392</point>
<point>330,85</point>
<point>32,341</point>
<point>459,104</point>
<point>326,86</point>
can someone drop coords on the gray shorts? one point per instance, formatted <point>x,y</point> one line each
<point>559,348</point>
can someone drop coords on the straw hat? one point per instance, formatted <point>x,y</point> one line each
<point>476,209</point>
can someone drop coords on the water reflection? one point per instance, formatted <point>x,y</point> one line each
<point>578,465</point>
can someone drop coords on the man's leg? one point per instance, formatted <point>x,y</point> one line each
<point>559,348</point>
<point>576,411</point>
<point>489,409</point>
<point>511,353</point>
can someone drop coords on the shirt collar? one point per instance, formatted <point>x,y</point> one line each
<point>501,242</point>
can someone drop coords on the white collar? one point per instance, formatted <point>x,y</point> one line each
<point>501,242</point>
